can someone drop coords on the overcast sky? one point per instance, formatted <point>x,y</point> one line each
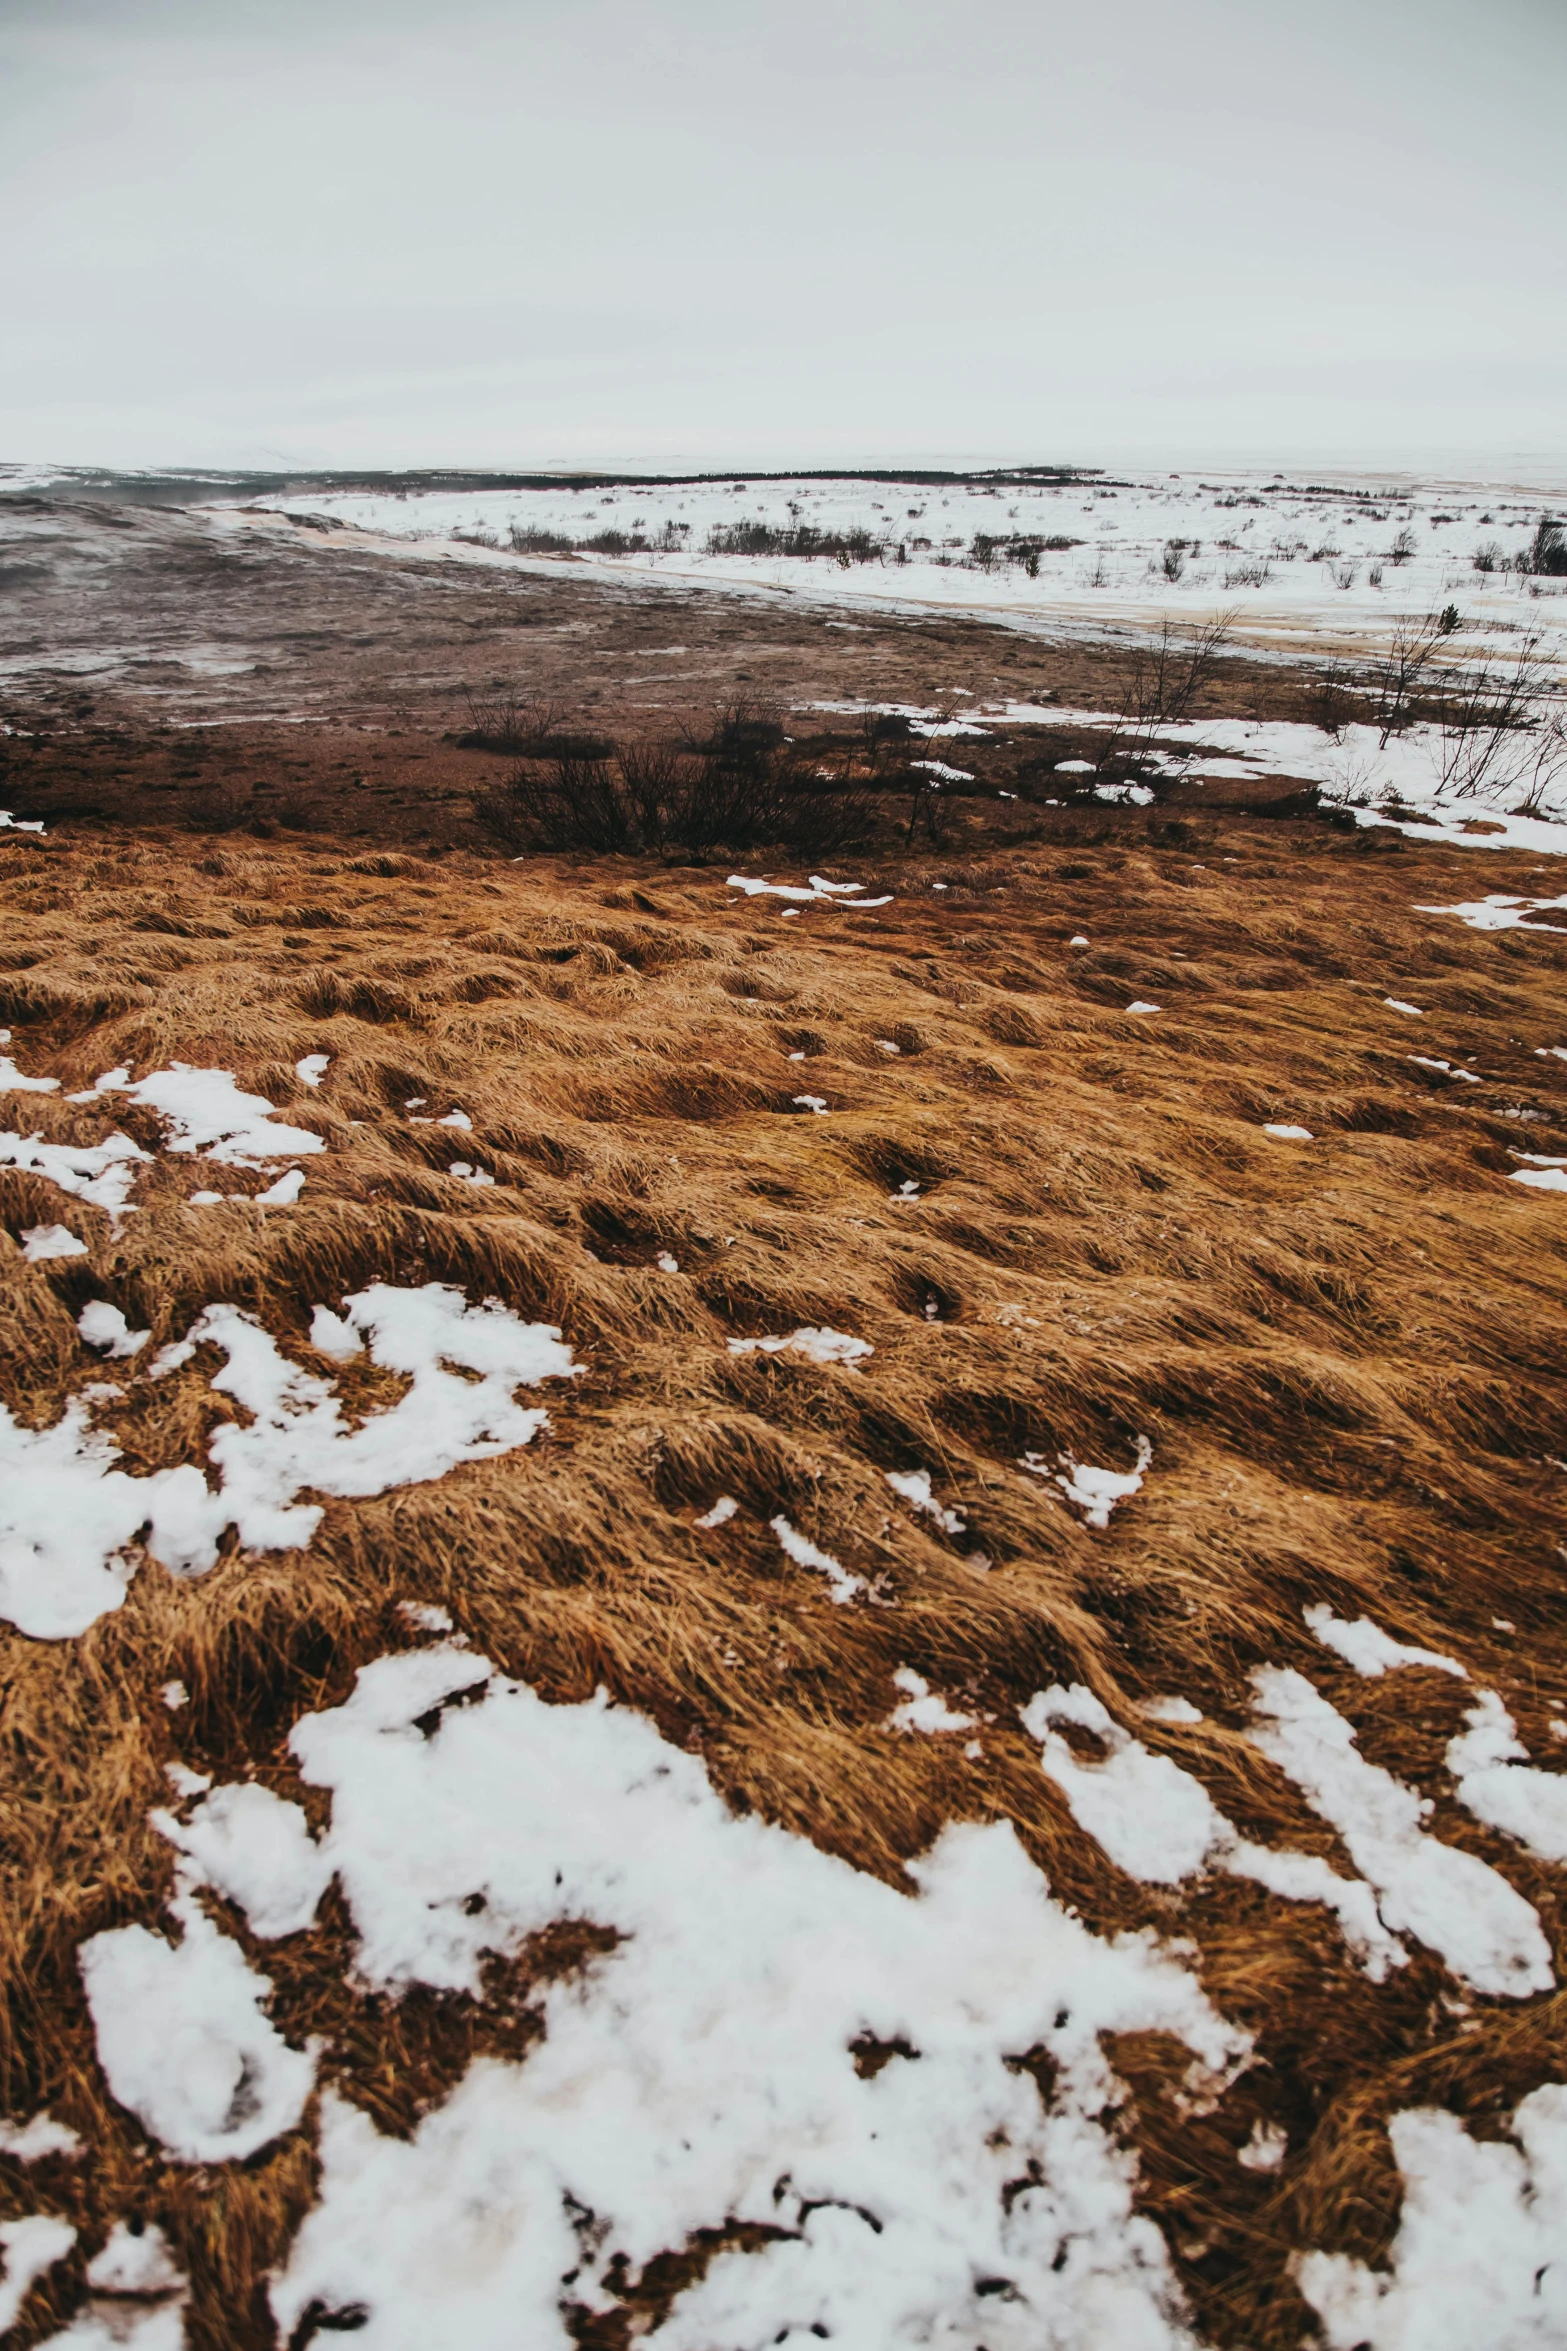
<point>530,232</point>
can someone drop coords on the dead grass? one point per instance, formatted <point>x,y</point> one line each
<point>1348,1360</point>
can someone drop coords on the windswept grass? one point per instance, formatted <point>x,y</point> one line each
<point>1347,1357</point>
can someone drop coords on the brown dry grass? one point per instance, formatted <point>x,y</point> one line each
<point>1349,1361</point>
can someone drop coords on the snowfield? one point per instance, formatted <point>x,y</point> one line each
<point>1330,562</point>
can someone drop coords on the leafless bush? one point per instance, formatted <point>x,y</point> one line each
<point>1333,701</point>
<point>1488,555</point>
<point>1403,547</point>
<point>1160,684</point>
<point>760,538</point>
<point>740,786</point>
<point>525,540</point>
<point>1548,550</point>
<point>1248,575</point>
<point>1500,727</point>
<point>505,720</point>
<point>1397,677</point>
<point>1548,769</point>
<point>1344,575</point>
<point>1173,561</point>
<point>986,551</point>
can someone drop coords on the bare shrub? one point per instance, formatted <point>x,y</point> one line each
<point>1173,561</point>
<point>527,541</point>
<point>1499,726</point>
<point>1548,550</point>
<point>1248,575</point>
<point>1160,685</point>
<point>1403,547</point>
<point>802,539</point>
<point>1488,555</point>
<point>740,786</point>
<point>1333,702</point>
<point>505,720</point>
<point>1398,675</point>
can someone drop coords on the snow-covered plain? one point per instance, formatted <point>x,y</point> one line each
<point>1337,557</point>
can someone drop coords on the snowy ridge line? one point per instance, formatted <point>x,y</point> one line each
<point>1159,1824</point>
<point>1487,1759</point>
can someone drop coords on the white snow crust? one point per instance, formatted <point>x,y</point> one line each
<point>1489,1762</point>
<point>183,2042</point>
<point>805,1553</point>
<point>1368,1649</point>
<point>13,1082</point>
<point>256,1849</point>
<point>136,2296</point>
<point>99,1173</point>
<point>821,1345</point>
<point>30,2246</point>
<point>922,1710</point>
<point>1096,1492</point>
<point>68,1516</point>
<point>30,2142</point>
<point>1500,913</point>
<point>1159,1824</point>
<point>1478,2262</point>
<point>43,1241</point>
<point>914,1486</point>
<point>206,1112</point>
<point>1446,1898</point>
<point>703,2071</point>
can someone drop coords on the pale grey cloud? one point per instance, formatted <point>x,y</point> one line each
<point>751,230</point>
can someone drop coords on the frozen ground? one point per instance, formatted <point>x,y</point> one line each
<point>1309,563</point>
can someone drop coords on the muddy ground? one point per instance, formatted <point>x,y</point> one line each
<point>220,669</point>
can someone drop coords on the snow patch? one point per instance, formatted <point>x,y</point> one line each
<point>1486,1760</point>
<point>703,2070</point>
<point>805,1553</point>
<point>99,1173</point>
<point>1368,1649</point>
<point>43,1241</point>
<point>1159,1824</point>
<point>183,2043</point>
<point>68,1515</point>
<point>1477,2263</point>
<point>922,1710</point>
<point>1448,1899</point>
<point>1096,1492</point>
<point>30,2246</point>
<point>821,1345</point>
<point>914,1486</point>
<point>30,2142</point>
<point>13,1082</point>
<point>256,1850</point>
<point>206,1112</point>
<point>1498,913</point>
